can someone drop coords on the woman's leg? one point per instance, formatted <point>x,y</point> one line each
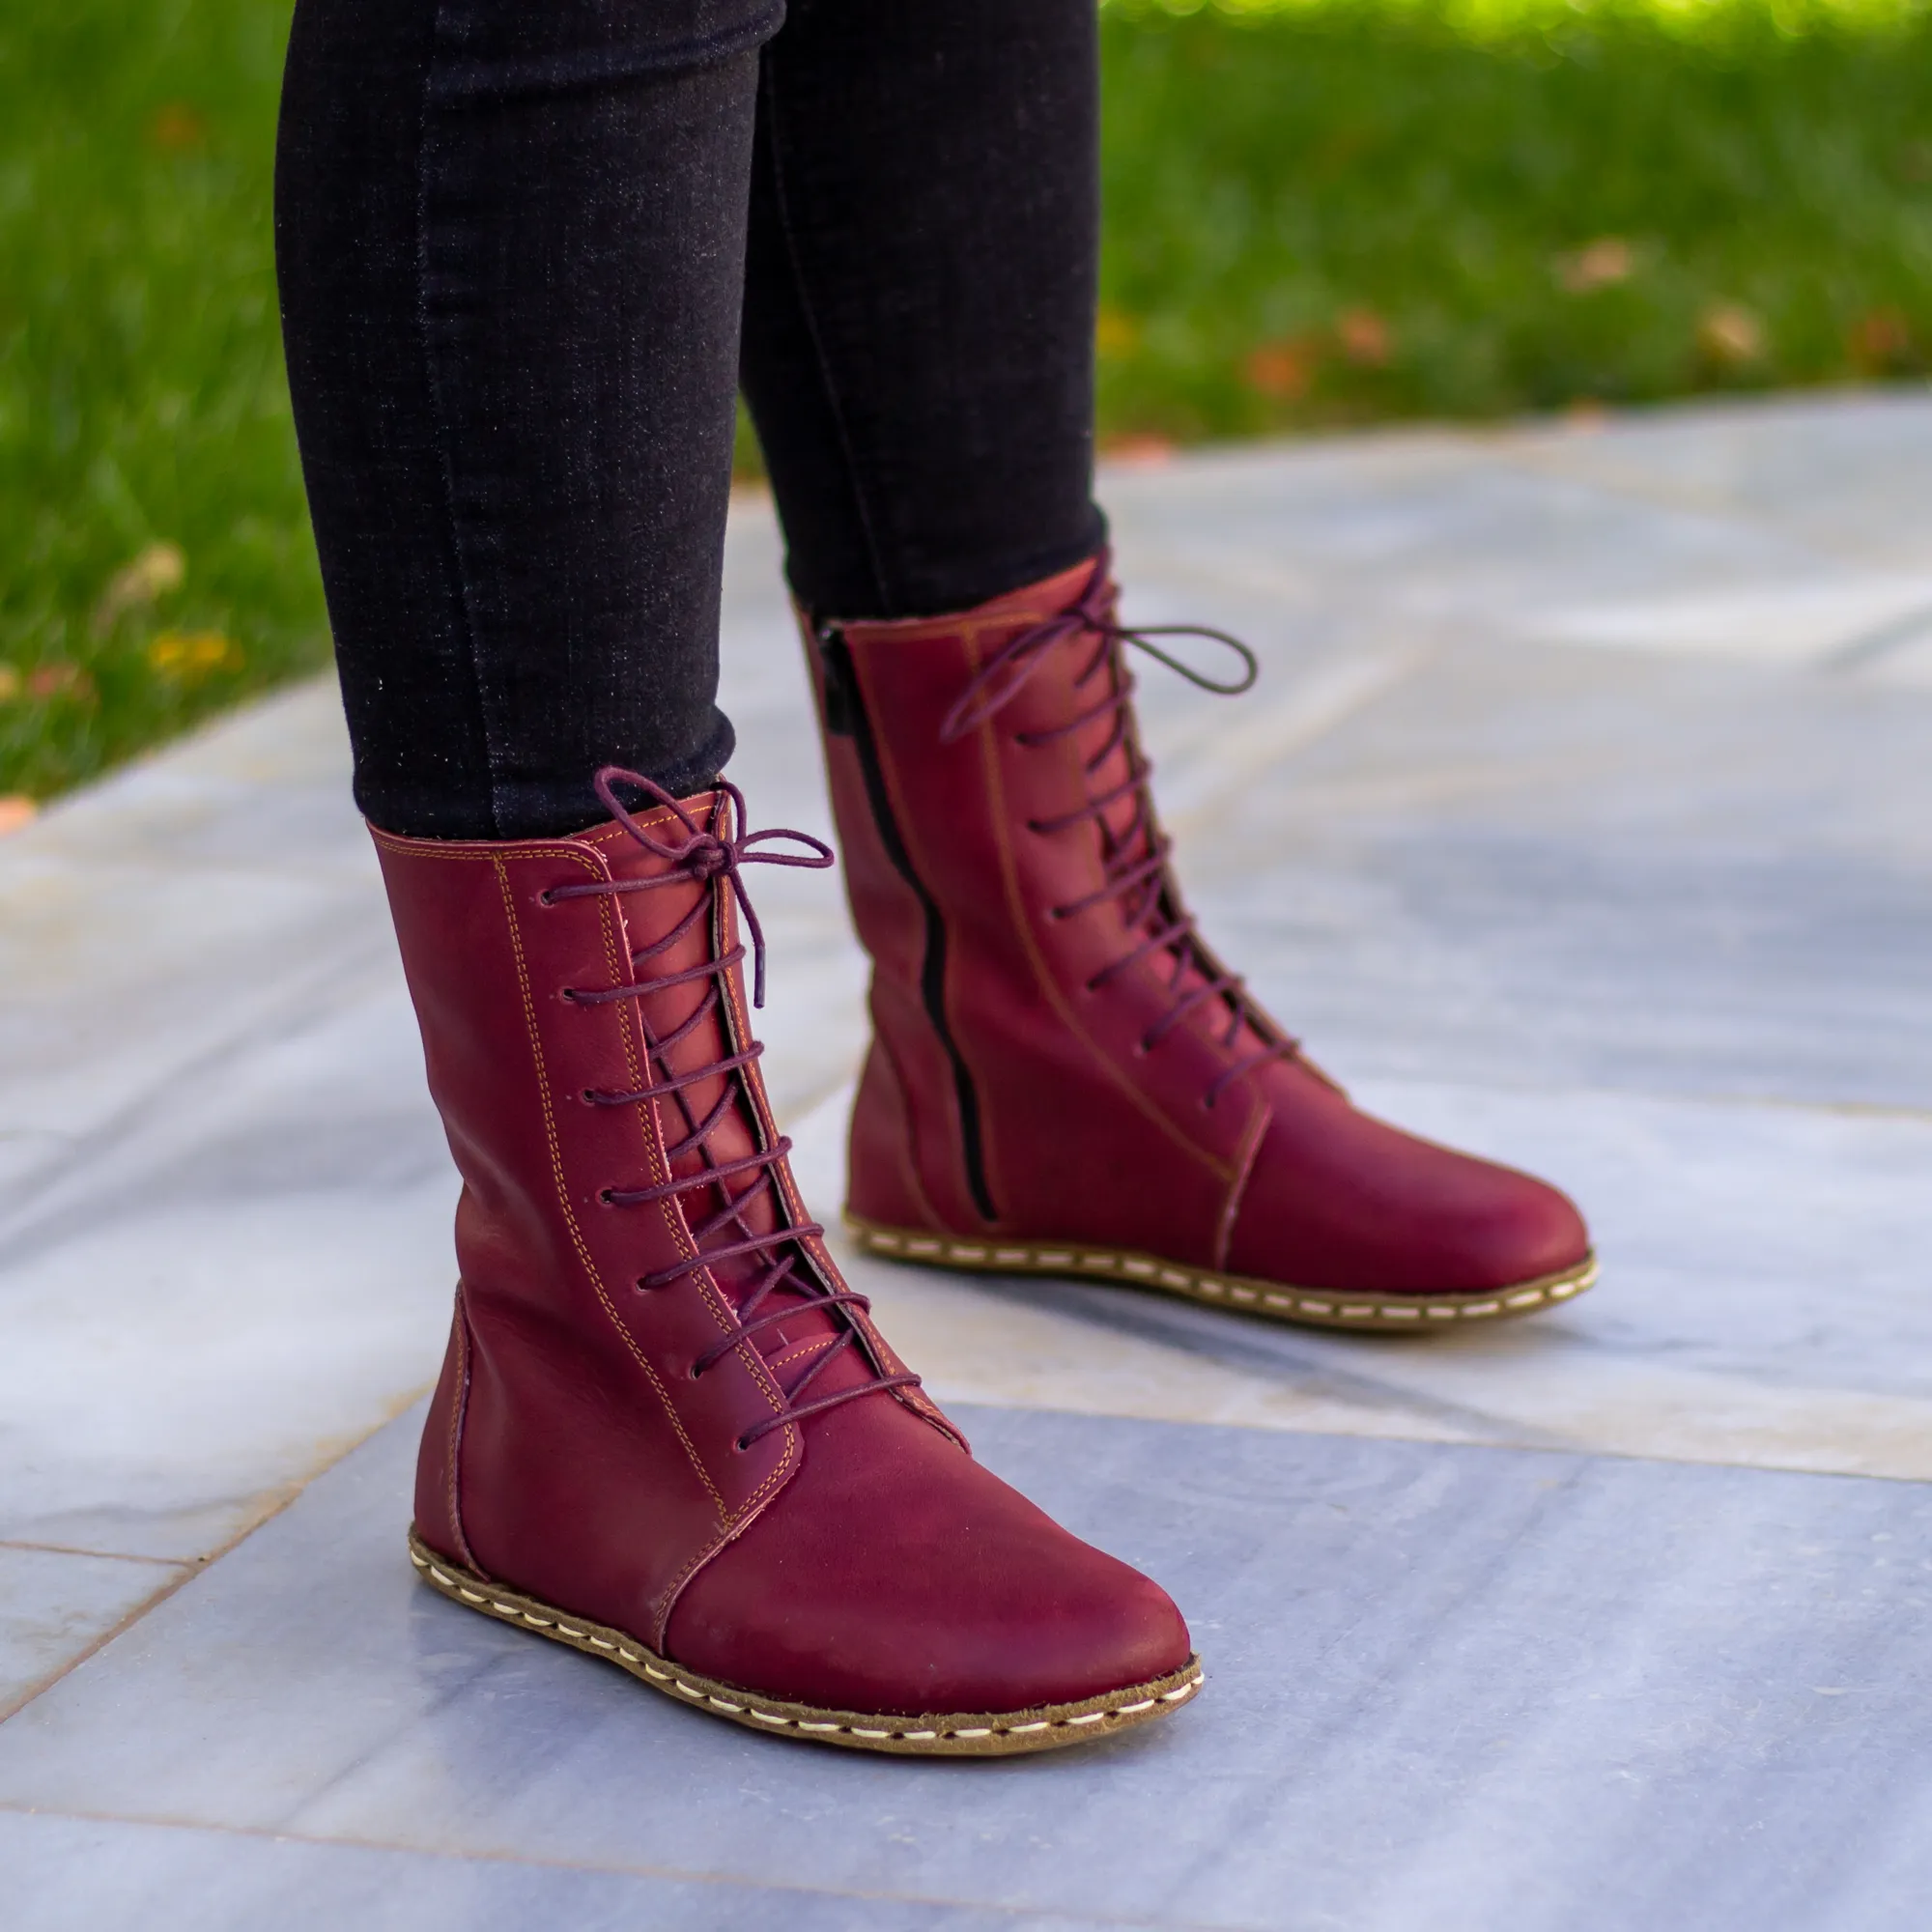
<point>511,242</point>
<point>1063,1077</point>
<point>918,324</point>
<point>665,1433</point>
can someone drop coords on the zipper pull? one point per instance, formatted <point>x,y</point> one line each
<point>835,658</point>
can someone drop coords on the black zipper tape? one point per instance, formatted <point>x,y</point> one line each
<point>845,718</point>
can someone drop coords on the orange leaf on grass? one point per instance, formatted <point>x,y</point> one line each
<point>1139,450</point>
<point>1879,341</point>
<point>1731,333</point>
<point>1283,370</point>
<point>177,128</point>
<point>61,681</point>
<point>1365,337</point>
<point>1599,265</point>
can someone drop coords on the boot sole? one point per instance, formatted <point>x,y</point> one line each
<point>1311,1308</point>
<point>995,1734</point>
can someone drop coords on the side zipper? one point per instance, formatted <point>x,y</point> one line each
<point>845,718</point>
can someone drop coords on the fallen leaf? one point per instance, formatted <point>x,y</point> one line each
<point>157,569</point>
<point>1365,337</point>
<point>1729,333</point>
<point>60,680</point>
<point>1599,265</point>
<point>9,683</point>
<point>1880,341</point>
<point>1115,332</point>
<point>177,128</point>
<point>1281,370</point>
<point>16,809</point>
<point>188,655</point>
<point>1139,450</point>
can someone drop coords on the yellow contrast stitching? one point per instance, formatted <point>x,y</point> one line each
<point>989,757</point>
<point>577,1239</point>
<point>705,1690</point>
<point>1217,1287</point>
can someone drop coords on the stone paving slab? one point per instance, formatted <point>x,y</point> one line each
<point>1583,815</point>
<point>78,1875</point>
<point>1764,1301</point>
<point>1447,1687</point>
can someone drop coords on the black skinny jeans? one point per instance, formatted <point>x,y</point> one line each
<point>517,240</point>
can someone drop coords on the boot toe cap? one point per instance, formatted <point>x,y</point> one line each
<point>1340,1200</point>
<point>915,1584</point>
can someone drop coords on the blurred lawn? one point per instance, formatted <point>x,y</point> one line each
<point>1320,211</point>
<point>1345,210</point>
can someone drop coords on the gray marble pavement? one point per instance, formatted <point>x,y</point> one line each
<point>1583,815</point>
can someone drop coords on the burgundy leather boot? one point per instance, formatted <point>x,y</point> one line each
<point>667,1433</point>
<point>1063,1078</point>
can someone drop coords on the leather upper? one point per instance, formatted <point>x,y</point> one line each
<point>858,1554</point>
<point>1099,1118</point>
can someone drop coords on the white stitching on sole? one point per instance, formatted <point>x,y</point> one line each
<point>871,1733</point>
<point>1138,1267</point>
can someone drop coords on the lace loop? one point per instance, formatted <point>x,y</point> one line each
<point>705,858</point>
<point>702,856</point>
<point>1007,673</point>
<point>1134,859</point>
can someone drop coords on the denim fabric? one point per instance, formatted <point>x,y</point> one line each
<point>513,238</point>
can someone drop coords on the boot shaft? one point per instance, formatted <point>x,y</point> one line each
<point>552,1309</point>
<point>637,1273</point>
<point>1008,875</point>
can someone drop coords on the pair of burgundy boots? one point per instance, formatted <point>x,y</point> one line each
<point>666,1431</point>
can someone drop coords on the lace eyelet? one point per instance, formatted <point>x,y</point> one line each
<point>604,1196</point>
<point>569,993</point>
<point>589,1097</point>
<point>546,898</point>
<point>740,1447</point>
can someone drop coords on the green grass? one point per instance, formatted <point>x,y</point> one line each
<point>1348,211</point>
<point>1320,211</point>
<point>141,392</point>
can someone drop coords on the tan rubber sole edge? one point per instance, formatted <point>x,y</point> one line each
<point>998,1734</point>
<point>1308,1307</point>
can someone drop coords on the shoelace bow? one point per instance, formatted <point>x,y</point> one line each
<point>1134,868</point>
<point>702,855</point>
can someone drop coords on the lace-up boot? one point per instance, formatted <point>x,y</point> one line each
<point>1063,1078</point>
<point>667,1433</point>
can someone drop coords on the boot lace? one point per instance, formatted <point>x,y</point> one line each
<point>1134,859</point>
<point>703,855</point>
